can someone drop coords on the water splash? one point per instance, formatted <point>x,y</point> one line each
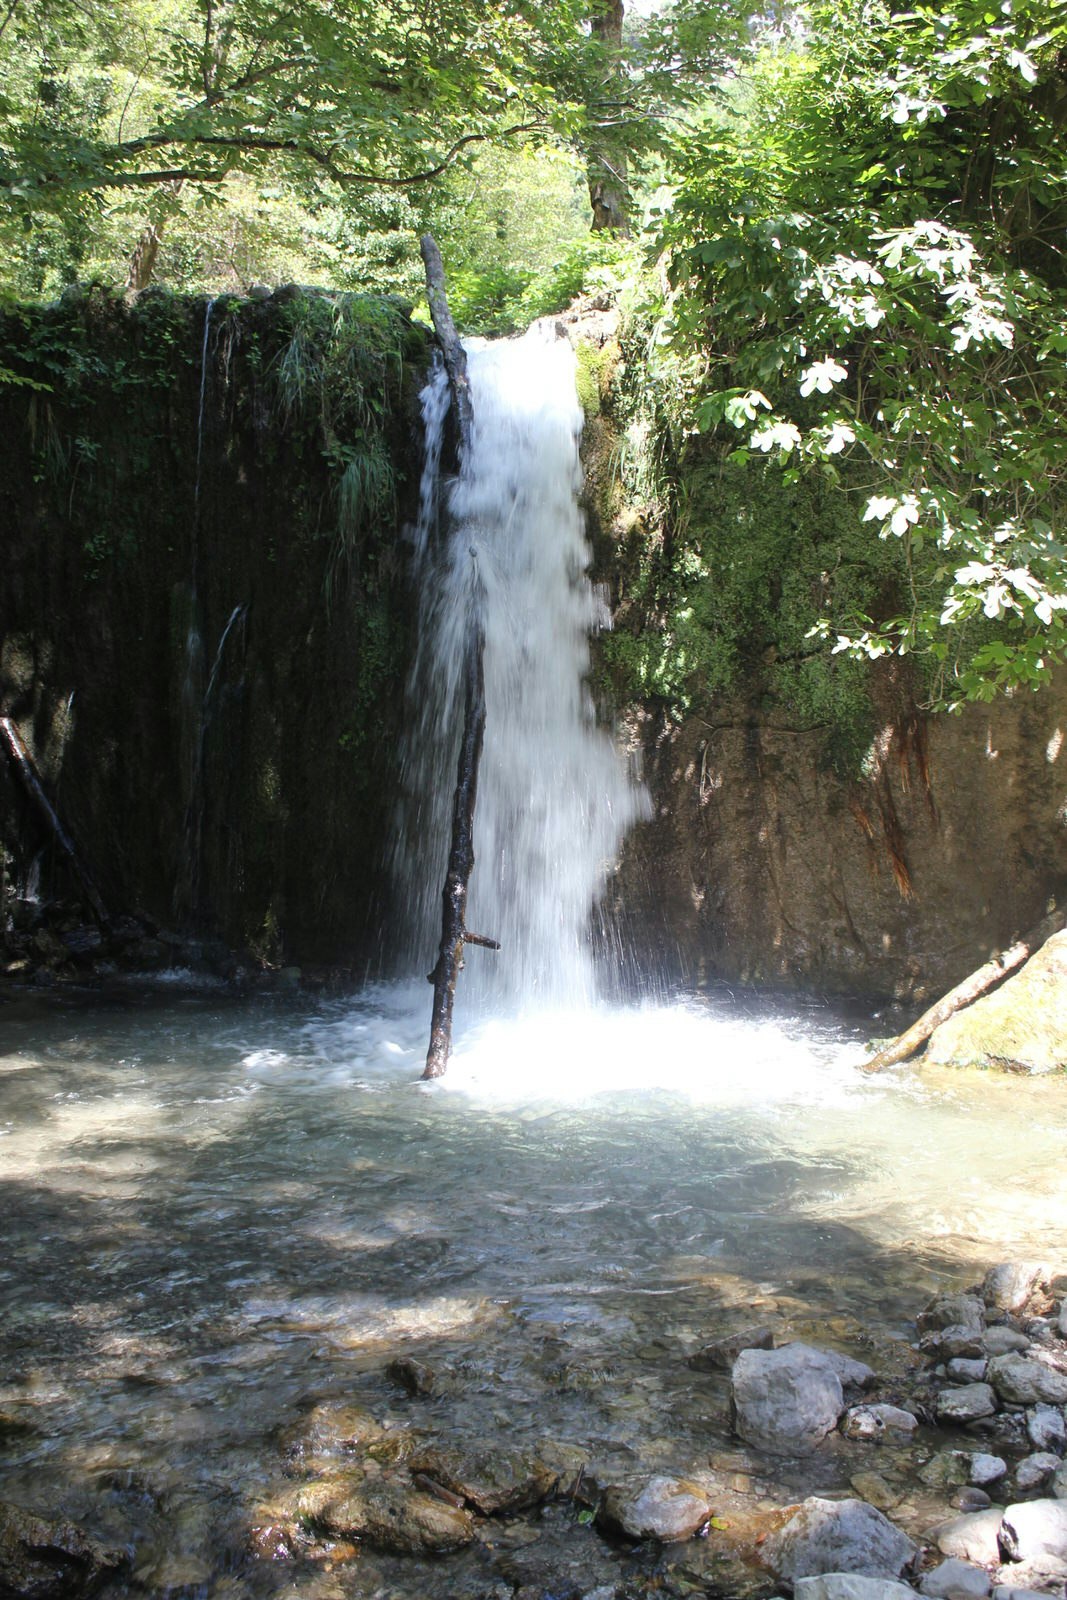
<point>554,797</point>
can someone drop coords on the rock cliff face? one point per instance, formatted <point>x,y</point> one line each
<point>204,613</point>
<point>762,865</point>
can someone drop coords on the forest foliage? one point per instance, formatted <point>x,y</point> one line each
<point>846,262</point>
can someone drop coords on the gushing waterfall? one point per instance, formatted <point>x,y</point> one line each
<point>554,797</point>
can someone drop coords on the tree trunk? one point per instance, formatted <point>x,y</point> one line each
<point>972,988</point>
<point>146,251</point>
<point>606,154</point>
<point>24,765</point>
<point>454,933</point>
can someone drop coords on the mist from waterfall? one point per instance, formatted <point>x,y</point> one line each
<point>554,796</point>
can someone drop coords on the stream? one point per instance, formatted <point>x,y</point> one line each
<point>220,1214</point>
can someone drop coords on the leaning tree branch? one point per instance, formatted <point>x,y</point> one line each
<point>454,934</point>
<point>972,988</point>
<point>24,765</point>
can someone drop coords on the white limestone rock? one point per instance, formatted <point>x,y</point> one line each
<point>1035,1529</point>
<point>972,1537</point>
<point>825,1536</point>
<point>1009,1285</point>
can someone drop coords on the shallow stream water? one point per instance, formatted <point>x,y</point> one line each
<point>219,1213</point>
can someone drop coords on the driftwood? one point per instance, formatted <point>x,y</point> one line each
<point>24,765</point>
<point>972,988</point>
<point>454,933</point>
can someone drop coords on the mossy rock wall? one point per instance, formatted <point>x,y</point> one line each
<point>206,618</point>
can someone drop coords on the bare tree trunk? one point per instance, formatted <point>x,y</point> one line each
<point>146,251</point>
<point>24,765</point>
<point>606,155</point>
<point>454,933</point>
<point>972,988</point>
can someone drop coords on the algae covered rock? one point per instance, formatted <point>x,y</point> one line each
<point>44,1560</point>
<point>1022,1026</point>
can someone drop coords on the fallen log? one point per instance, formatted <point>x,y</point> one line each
<point>454,933</point>
<point>26,768</point>
<point>979,983</point>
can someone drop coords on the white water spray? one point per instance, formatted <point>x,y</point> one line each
<point>554,797</point>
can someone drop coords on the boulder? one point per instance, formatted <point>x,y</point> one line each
<point>1022,1026</point>
<point>1001,1340</point>
<point>669,1509</point>
<point>1026,1381</point>
<point>1009,1285</point>
<point>1035,1529</point>
<point>492,1481</point>
<point>45,1560</point>
<point>850,1586</point>
<point>390,1515</point>
<point>786,1401</point>
<point>952,1311</point>
<point>966,1404</point>
<point>826,1536</point>
<point>972,1537</point>
<point>956,1580</point>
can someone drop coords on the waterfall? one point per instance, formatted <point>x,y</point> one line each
<point>554,798</point>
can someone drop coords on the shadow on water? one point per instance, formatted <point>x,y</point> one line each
<point>215,1220</point>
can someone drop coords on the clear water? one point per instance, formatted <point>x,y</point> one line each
<point>217,1214</point>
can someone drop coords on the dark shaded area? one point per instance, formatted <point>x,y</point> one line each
<point>205,611</point>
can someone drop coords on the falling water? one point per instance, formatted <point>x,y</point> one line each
<point>554,798</point>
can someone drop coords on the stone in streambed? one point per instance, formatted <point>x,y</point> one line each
<point>786,1401</point>
<point>492,1481</point>
<point>720,1354</point>
<point>1009,1285</point>
<point>1024,1380</point>
<point>968,1403</point>
<point>390,1515</point>
<point>668,1509</point>
<point>963,1370</point>
<point>972,1537</point>
<point>1035,1529</point>
<point>1002,1341</point>
<point>1032,1471</point>
<point>956,1580</point>
<point>1046,1428</point>
<point>872,1423</point>
<point>825,1536</point>
<point>850,1586</point>
<point>45,1560</point>
<point>952,1311</point>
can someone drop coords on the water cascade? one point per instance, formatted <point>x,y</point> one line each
<point>554,797</point>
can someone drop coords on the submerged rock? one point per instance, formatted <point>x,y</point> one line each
<point>1021,1026</point>
<point>414,1377</point>
<point>1009,1285</point>
<point>668,1509</point>
<point>720,1354</point>
<point>786,1401</point>
<point>392,1516</point>
<point>491,1481</point>
<point>44,1560</point>
<point>826,1536</point>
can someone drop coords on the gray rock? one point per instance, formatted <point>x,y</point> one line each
<point>853,1374</point>
<point>987,1468</point>
<point>1008,1591</point>
<point>952,1310</point>
<point>786,1401</point>
<point>955,1343</point>
<point>1026,1381</point>
<point>1061,1320</point>
<point>966,1404</point>
<point>949,1469</point>
<point>850,1586</point>
<point>1034,1529</point>
<point>956,1580</point>
<point>44,1560</point>
<point>871,1423</point>
<point>1033,1471</point>
<point>962,1369</point>
<point>826,1536</point>
<point>720,1354</point>
<point>669,1509</point>
<point>1002,1341</point>
<point>971,1499</point>
<point>1046,1428</point>
<point>1058,1486</point>
<point>972,1537</point>
<point>1009,1285</point>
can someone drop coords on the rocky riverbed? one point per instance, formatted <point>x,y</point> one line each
<point>939,1468</point>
